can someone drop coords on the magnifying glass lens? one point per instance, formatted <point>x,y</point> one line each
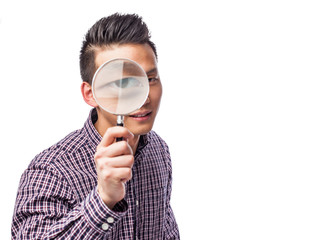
<point>120,86</point>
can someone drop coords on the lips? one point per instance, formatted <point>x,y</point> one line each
<point>141,115</point>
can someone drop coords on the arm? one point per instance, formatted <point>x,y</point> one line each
<point>45,208</point>
<point>171,230</point>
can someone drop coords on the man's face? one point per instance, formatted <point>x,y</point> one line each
<point>140,121</point>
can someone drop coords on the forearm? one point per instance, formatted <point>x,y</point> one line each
<point>90,219</point>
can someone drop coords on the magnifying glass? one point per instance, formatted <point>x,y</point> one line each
<point>120,86</point>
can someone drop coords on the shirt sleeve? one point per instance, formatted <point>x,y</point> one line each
<point>47,209</point>
<point>171,231</point>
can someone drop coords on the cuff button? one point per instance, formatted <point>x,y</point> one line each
<point>110,220</point>
<point>105,226</point>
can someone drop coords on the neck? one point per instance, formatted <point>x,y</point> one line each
<point>133,143</point>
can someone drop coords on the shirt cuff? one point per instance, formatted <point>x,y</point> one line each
<point>99,216</point>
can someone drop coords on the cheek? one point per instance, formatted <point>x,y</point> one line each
<point>109,118</point>
<point>155,94</point>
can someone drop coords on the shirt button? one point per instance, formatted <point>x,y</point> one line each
<point>105,226</point>
<point>110,220</point>
<point>136,202</point>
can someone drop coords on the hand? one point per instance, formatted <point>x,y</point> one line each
<point>114,161</point>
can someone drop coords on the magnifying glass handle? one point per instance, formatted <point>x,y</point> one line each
<point>119,122</point>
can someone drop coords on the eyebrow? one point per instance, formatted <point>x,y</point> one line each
<point>152,71</point>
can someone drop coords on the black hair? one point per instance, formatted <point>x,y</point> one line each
<point>114,29</point>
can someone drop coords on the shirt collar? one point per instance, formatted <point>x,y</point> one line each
<point>95,138</point>
<point>91,132</point>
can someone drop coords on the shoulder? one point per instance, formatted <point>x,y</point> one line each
<point>69,145</point>
<point>157,146</point>
<point>155,139</point>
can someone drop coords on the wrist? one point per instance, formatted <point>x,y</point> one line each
<point>110,203</point>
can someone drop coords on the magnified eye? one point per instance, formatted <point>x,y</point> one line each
<point>127,82</point>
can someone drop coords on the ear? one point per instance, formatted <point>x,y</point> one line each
<point>86,91</point>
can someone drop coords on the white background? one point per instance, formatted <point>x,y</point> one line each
<point>248,106</point>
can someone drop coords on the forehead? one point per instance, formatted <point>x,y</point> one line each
<point>140,53</point>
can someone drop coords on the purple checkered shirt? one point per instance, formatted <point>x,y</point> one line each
<point>57,196</point>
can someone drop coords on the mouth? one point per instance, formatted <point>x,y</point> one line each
<point>141,116</point>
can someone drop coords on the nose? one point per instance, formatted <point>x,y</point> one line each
<point>147,101</point>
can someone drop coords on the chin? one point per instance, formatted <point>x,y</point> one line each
<point>140,130</point>
<point>140,127</point>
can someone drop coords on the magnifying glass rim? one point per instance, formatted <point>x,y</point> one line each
<point>98,70</point>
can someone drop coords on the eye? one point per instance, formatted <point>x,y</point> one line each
<point>152,79</point>
<point>127,82</point>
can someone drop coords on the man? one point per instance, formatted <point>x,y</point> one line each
<point>88,186</point>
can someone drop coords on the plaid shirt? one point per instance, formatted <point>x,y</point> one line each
<point>57,196</point>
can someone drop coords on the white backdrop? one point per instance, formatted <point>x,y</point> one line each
<point>247,110</point>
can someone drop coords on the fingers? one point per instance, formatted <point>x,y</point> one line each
<point>119,174</point>
<point>125,161</point>
<point>114,150</point>
<point>113,133</point>
<point>114,162</point>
